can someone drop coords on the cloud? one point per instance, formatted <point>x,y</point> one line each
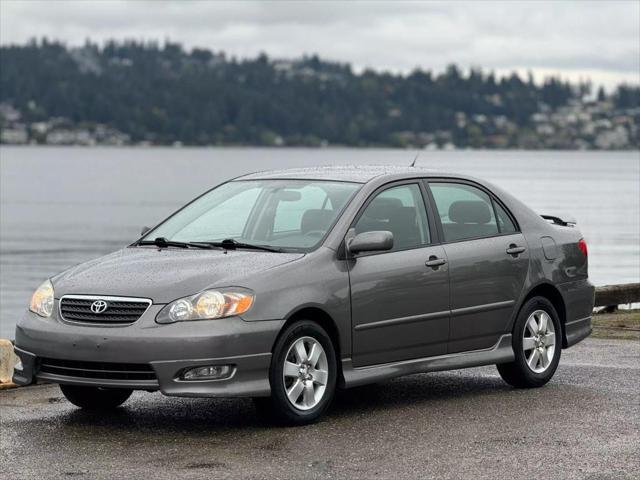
<point>573,38</point>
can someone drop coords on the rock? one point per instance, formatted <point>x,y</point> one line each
<point>8,360</point>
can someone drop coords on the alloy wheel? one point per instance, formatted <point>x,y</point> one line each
<point>538,341</point>
<point>305,372</point>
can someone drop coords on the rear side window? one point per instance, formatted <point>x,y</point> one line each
<point>401,211</point>
<point>505,224</point>
<point>465,211</point>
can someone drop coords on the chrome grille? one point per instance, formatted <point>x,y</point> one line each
<point>119,310</point>
<point>97,370</point>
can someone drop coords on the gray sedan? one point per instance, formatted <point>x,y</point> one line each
<point>286,285</point>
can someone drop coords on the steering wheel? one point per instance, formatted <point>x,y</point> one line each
<point>314,233</point>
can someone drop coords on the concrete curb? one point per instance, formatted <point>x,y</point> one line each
<point>8,360</point>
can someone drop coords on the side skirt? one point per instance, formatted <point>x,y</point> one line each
<point>501,352</point>
<point>577,330</point>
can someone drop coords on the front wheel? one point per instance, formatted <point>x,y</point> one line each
<point>95,398</point>
<point>537,341</point>
<point>302,375</point>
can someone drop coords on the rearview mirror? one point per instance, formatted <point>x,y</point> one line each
<point>288,195</point>
<point>371,242</point>
<point>144,231</point>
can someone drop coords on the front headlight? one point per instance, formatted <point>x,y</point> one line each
<point>42,300</point>
<point>207,305</point>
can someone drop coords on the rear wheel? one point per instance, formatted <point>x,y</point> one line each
<point>536,344</point>
<point>95,398</point>
<point>302,375</point>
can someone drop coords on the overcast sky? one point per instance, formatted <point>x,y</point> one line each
<point>576,39</point>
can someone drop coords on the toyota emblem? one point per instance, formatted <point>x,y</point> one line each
<point>99,306</point>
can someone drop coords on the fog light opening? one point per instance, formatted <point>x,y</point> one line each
<point>208,372</point>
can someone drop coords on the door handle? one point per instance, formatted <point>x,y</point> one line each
<point>515,250</point>
<point>435,262</point>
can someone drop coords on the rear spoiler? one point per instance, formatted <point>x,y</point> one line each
<point>565,221</point>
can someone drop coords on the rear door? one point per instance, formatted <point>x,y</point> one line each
<point>400,305</point>
<point>488,262</point>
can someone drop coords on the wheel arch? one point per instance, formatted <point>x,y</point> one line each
<point>322,318</point>
<point>551,293</point>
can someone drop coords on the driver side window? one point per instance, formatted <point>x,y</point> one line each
<point>401,211</point>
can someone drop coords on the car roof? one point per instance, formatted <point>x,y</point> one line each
<point>344,173</point>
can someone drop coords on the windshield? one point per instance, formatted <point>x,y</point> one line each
<point>285,214</point>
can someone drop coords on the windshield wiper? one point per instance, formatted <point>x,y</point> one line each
<point>162,242</point>
<point>231,244</point>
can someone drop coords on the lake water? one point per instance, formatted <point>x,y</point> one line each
<point>63,205</point>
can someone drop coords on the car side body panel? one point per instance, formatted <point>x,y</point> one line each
<point>400,307</point>
<point>486,284</point>
<point>316,281</point>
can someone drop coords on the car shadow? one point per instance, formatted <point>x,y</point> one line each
<point>415,390</point>
<point>194,416</point>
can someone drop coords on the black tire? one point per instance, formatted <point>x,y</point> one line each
<point>518,373</point>
<point>278,407</point>
<point>95,398</point>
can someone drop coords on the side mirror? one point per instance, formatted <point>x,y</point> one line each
<point>144,231</point>
<point>371,242</point>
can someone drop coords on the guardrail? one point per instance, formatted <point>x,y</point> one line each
<point>610,296</point>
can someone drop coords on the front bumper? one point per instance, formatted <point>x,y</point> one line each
<point>167,349</point>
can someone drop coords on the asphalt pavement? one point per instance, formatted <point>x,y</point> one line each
<point>462,424</point>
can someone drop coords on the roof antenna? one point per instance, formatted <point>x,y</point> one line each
<point>413,164</point>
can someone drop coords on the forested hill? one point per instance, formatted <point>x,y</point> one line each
<point>165,94</point>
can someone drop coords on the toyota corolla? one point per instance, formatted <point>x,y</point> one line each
<point>286,285</point>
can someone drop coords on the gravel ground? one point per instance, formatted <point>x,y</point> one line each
<point>459,424</point>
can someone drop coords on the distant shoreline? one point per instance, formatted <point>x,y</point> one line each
<point>124,93</point>
<point>308,147</point>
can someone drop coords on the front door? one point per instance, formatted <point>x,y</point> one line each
<point>400,305</point>
<point>488,263</point>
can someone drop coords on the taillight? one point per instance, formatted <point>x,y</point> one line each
<point>582,245</point>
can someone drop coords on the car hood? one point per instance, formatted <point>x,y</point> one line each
<point>164,275</point>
